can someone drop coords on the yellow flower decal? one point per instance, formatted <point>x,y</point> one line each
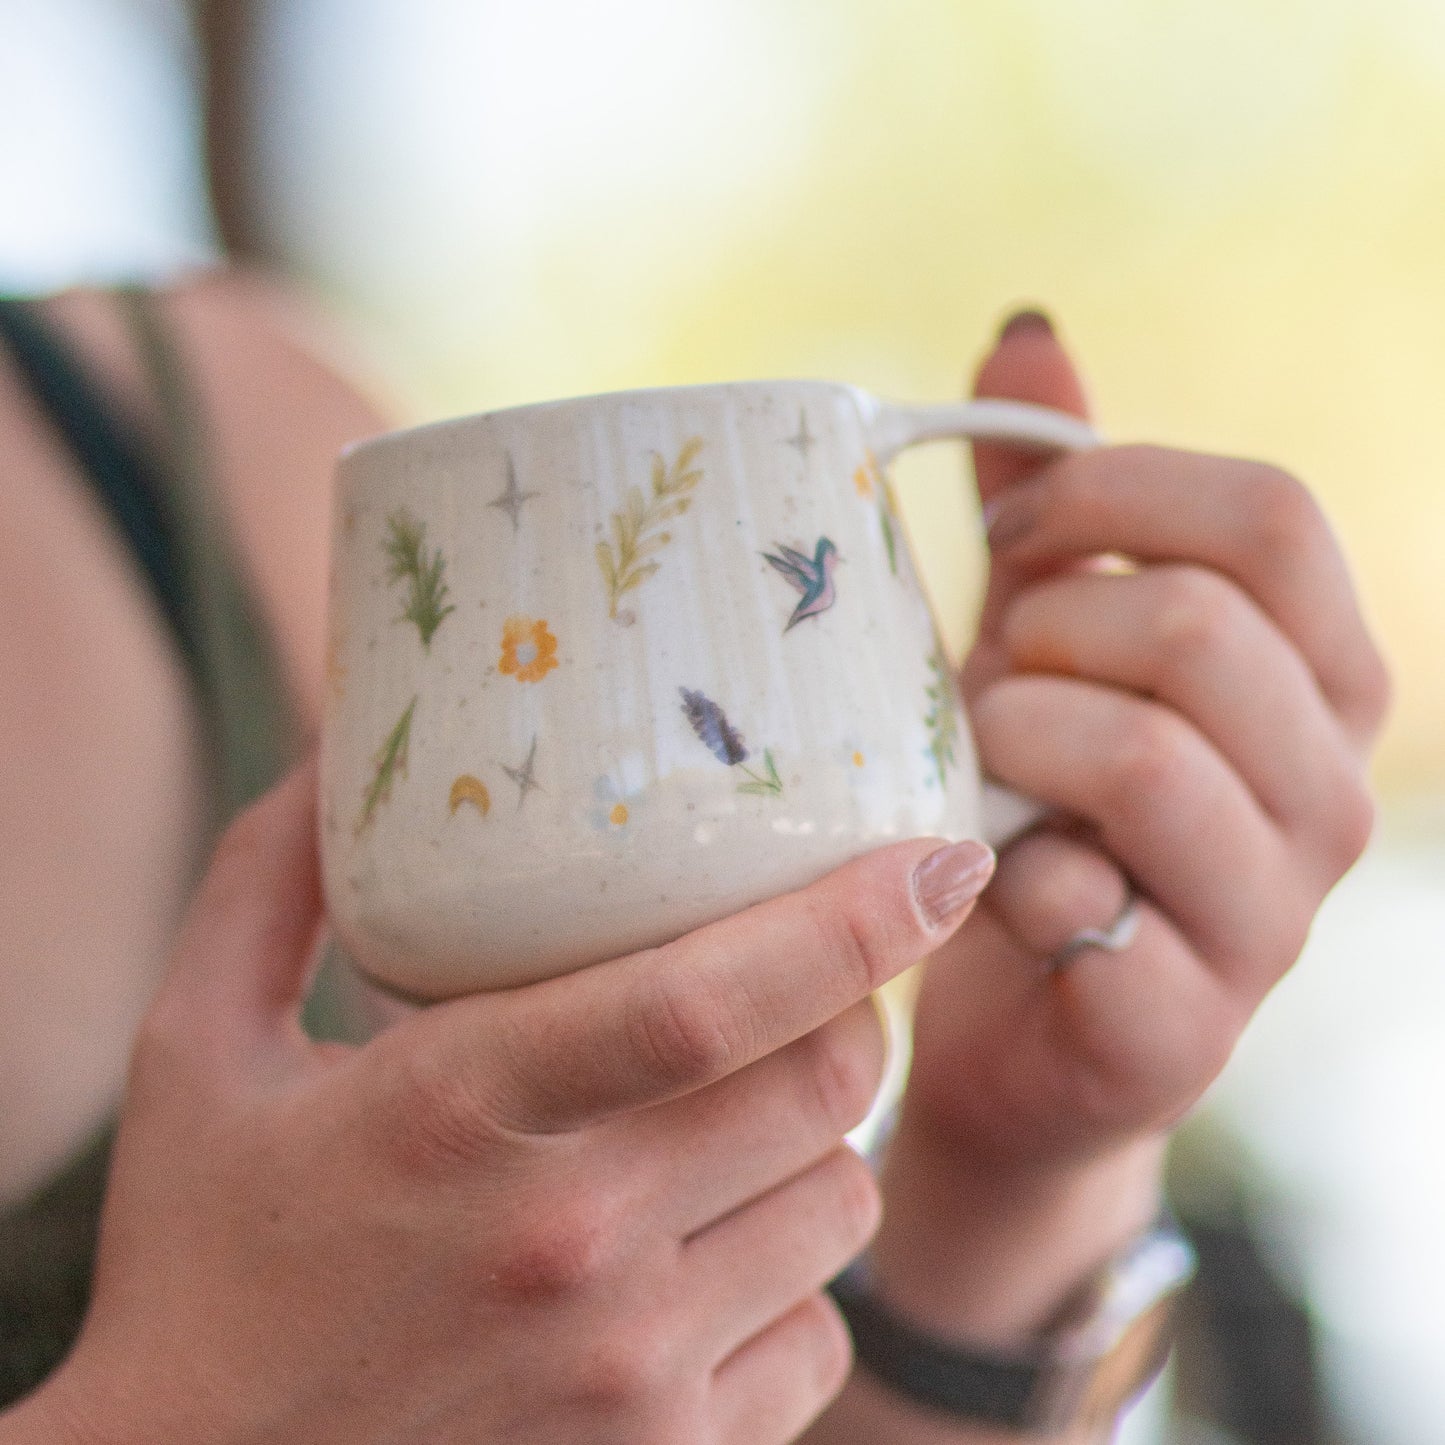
<point>866,477</point>
<point>614,804</point>
<point>529,651</point>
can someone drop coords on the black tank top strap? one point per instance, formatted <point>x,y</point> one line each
<point>108,457</point>
<point>161,495</point>
<point>253,727</point>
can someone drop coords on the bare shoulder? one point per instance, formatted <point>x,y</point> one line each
<point>280,405</point>
<point>278,402</point>
<point>103,815</point>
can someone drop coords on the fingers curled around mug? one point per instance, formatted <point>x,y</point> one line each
<point>1051,889</point>
<point>1166,804</point>
<point>658,1024</point>
<point>1054,886</point>
<point>1252,522</point>
<point>770,1389</point>
<point>710,1152</point>
<point>1186,636</point>
<point>754,1265</point>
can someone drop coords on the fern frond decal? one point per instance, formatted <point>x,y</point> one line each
<point>405,547</point>
<point>941,719</point>
<point>636,533</point>
<point>391,763</point>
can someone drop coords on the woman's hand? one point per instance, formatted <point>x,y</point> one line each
<point>1172,657</point>
<point>1203,719</point>
<point>599,1208</point>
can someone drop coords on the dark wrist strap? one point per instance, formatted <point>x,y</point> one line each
<point>994,1390</point>
<point>1082,1373</point>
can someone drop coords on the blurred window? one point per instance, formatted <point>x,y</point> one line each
<point>100,172</point>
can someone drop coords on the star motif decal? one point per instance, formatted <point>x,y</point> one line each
<point>513,498</point>
<point>525,776</point>
<point>804,440</point>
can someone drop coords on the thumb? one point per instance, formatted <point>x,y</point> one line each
<point>1027,363</point>
<point>242,965</point>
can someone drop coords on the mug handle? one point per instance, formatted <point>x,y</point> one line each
<point>894,426</point>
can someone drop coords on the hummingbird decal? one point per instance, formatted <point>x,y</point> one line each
<point>812,576</point>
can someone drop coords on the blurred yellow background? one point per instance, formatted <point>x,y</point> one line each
<point>1235,212</point>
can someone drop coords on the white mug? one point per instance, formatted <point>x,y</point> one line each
<point>604,670</point>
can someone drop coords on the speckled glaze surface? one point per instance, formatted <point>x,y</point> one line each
<point>603,670</point>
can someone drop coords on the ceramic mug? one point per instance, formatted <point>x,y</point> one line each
<point>604,670</point>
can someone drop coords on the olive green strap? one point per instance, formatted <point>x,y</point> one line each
<point>47,1253</point>
<point>254,732</point>
<point>252,727</point>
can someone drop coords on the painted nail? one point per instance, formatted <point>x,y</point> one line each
<point>949,879</point>
<point>1030,321</point>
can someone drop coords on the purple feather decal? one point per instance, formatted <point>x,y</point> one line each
<point>710,723</point>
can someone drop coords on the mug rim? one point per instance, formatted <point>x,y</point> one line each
<point>398,435</point>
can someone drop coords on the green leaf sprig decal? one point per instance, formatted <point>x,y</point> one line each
<point>770,786</point>
<point>390,764</point>
<point>886,515</point>
<point>636,533</point>
<point>872,483</point>
<point>941,719</point>
<point>426,600</point>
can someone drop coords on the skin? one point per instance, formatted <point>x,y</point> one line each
<point>496,1246</point>
<point>98,705</point>
<point>599,1208</point>
<point>1204,719</point>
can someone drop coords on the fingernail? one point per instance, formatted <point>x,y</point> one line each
<point>1006,519</point>
<point>1029,321</point>
<point>949,879</point>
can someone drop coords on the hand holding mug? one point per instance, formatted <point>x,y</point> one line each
<point>599,1207</point>
<point>1203,719</point>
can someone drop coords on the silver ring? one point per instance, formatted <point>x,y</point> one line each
<point>1114,938</point>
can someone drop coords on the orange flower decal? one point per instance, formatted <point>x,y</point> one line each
<point>529,651</point>
<point>865,479</point>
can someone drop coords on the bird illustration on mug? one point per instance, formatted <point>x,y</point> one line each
<point>811,576</point>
